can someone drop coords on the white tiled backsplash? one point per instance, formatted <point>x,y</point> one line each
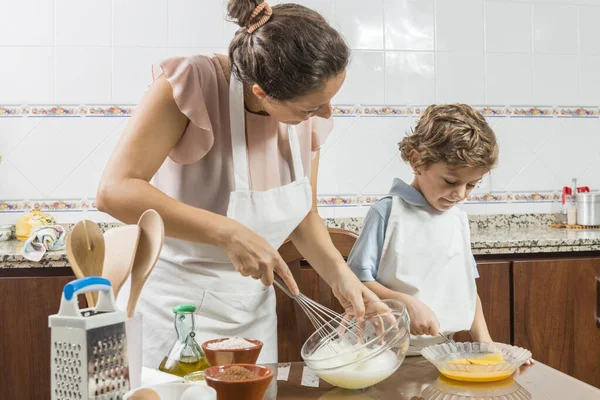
<point>532,66</point>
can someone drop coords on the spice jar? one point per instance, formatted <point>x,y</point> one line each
<point>6,233</point>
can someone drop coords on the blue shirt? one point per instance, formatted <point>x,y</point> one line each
<point>366,253</point>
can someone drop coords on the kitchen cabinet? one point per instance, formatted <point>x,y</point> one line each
<point>556,307</point>
<point>494,288</point>
<point>27,301</point>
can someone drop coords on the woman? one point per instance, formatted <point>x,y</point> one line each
<point>230,143</point>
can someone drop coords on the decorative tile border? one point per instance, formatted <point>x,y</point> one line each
<point>479,198</point>
<point>47,205</point>
<point>338,111</point>
<point>66,205</point>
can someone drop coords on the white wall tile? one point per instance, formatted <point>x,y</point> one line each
<point>553,79</point>
<point>535,132</point>
<point>331,181</point>
<point>141,23</point>
<point>377,140</point>
<point>323,7</point>
<point>29,75</point>
<point>590,177</point>
<point>82,183</point>
<point>364,80</point>
<point>514,154</point>
<point>83,75</point>
<point>103,152</point>
<point>589,30</point>
<point>459,25</point>
<point>196,23</point>
<point>589,80</point>
<point>554,29</point>
<point>51,145</point>
<point>409,78</point>
<point>565,155</point>
<point>382,182</point>
<point>460,78</point>
<point>13,131</point>
<point>361,26</point>
<point>509,78</point>
<point>499,37</point>
<point>82,23</point>
<point>535,176</point>
<point>132,72</point>
<point>15,186</point>
<point>409,24</point>
<point>340,127</point>
<point>26,23</point>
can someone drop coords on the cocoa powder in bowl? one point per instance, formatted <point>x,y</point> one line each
<point>236,373</point>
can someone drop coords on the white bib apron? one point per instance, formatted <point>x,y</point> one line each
<point>443,278</point>
<point>227,303</point>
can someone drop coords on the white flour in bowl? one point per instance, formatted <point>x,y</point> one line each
<point>231,343</point>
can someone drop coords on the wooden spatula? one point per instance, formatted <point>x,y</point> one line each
<point>121,245</point>
<point>152,236</point>
<point>85,251</point>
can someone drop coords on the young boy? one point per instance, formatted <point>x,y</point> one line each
<point>415,245</point>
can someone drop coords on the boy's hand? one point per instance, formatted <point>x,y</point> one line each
<point>422,320</point>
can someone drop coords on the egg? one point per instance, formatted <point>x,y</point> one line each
<point>198,393</point>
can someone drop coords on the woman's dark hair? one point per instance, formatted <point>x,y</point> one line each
<point>293,54</point>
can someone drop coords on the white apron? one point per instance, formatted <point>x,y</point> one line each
<point>227,304</point>
<point>427,254</point>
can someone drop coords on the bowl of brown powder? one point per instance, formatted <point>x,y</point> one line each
<point>239,381</point>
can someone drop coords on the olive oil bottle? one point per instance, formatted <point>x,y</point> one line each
<point>185,356</point>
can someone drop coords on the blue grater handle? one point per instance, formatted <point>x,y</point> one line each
<point>85,285</point>
<point>106,298</point>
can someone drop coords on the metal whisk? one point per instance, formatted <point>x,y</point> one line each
<point>321,316</point>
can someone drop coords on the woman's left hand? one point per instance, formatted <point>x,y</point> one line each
<point>355,297</point>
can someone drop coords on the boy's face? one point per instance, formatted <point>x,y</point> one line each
<point>443,186</point>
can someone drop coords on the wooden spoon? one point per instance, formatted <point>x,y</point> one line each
<point>121,245</point>
<point>85,252</point>
<point>145,394</point>
<point>152,237</point>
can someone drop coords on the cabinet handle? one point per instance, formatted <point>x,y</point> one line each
<point>598,302</point>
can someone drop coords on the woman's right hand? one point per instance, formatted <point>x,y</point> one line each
<point>253,256</point>
<point>423,321</point>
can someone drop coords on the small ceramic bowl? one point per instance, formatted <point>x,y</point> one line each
<point>247,389</point>
<point>247,355</point>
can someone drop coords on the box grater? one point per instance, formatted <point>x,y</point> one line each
<point>88,347</point>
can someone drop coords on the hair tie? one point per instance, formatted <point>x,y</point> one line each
<point>268,12</point>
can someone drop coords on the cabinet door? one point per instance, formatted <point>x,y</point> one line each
<point>25,336</point>
<point>556,314</point>
<point>493,287</point>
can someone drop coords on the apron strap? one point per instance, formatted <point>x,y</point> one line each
<point>239,149</point>
<point>297,168</point>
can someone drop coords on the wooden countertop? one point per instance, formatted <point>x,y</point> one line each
<point>417,379</point>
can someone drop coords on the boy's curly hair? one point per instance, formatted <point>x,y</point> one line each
<point>455,134</point>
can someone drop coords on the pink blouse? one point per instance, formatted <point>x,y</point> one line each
<point>199,169</point>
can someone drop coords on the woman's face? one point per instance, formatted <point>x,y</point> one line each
<point>302,108</point>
